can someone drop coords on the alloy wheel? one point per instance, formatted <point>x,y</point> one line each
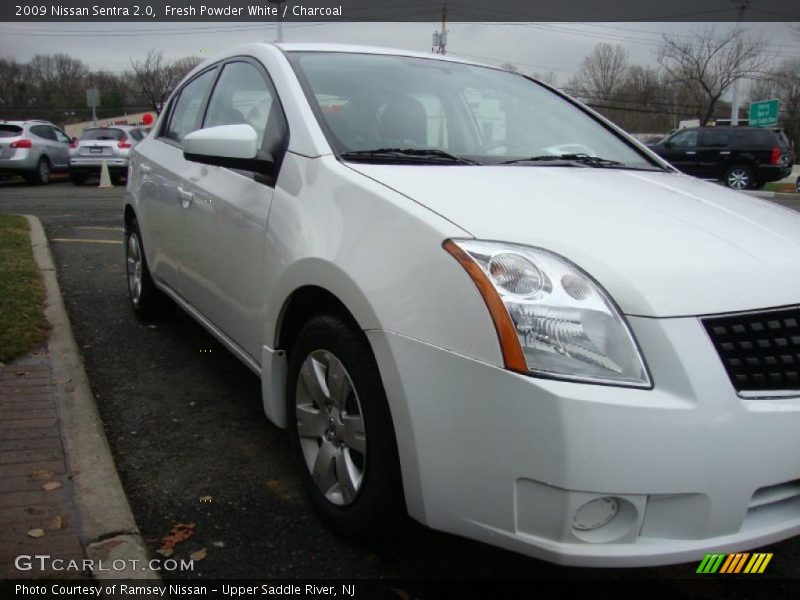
<point>134,267</point>
<point>44,171</point>
<point>330,427</point>
<point>739,179</point>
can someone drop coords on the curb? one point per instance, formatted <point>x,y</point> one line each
<point>106,526</point>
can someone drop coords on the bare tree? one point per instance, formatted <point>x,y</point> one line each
<point>550,78</point>
<point>602,72</point>
<point>708,64</point>
<point>17,90</point>
<point>155,77</point>
<point>783,83</point>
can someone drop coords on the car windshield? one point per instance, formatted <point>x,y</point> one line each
<point>369,102</point>
<point>7,131</point>
<point>101,134</point>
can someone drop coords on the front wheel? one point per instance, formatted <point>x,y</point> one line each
<point>341,428</point>
<point>739,177</point>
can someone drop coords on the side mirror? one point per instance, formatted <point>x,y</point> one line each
<point>231,146</point>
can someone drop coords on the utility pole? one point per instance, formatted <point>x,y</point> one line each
<point>279,4</point>
<point>440,37</point>
<point>742,4</point>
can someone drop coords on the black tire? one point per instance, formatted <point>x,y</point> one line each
<point>41,176</point>
<point>757,185</point>
<point>379,505</point>
<point>739,177</point>
<point>78,178</point>
<point>150,303</point>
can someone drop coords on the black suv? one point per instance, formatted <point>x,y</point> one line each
<point>741,157</point>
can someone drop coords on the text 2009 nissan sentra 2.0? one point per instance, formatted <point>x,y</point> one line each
<point>470,298</point>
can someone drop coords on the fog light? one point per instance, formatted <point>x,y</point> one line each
<point>595,513</point>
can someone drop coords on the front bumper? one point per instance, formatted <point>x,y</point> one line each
<point>507,459</point>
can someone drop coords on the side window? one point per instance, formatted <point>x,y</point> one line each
<point>244,96</point>
<point>715,139</point>
<point>685,139</point>
<point>43,131</point>
<point>184,117</point>
<point>61,136</point>
<point>241,96</point>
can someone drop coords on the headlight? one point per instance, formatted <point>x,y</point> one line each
<point>552,318</point>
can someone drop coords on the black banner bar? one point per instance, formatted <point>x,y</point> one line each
<point>155,11</point>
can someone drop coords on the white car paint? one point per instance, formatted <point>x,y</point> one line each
<point>487,453</point>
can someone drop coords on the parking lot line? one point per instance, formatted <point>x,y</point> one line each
<point>86,241</point>
<point>103,228</point>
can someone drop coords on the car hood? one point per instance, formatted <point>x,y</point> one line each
<point>662,244</point>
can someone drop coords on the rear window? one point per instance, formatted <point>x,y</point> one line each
<point>782,139</point>
<point>7,131</point>
<point>716,138</point>
<point>103,133</point>
<point>756,138</point>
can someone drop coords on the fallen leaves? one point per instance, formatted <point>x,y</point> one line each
<point>36,533</point>
<point>57,522</point>
<point>51,485</point>
<point>179,533</point>
<point>42,474</point>
<point>200,554</point>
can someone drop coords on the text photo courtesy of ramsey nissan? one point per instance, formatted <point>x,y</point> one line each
<point>379,299</point>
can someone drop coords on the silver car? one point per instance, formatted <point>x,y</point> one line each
<point>33,149</point>
<point>96,145</point>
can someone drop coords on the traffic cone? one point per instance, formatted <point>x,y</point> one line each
<point>105,177</point>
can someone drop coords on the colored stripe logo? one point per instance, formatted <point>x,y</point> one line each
<point>741,562</point>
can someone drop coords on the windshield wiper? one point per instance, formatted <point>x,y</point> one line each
<point>583,159</point>
<point>415,155</point>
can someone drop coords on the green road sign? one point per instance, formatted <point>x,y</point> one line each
<point>764,113</point>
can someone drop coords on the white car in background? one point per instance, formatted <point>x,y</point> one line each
<point>97,145</point>
<point>473,299</point>
<point>34,149</point>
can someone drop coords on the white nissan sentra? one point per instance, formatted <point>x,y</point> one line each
<point>473,299</point>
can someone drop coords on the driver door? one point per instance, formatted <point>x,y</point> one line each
<point>681,151</point>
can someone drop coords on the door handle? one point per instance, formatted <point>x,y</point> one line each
<point>725,152</point>
<point>690,152</point>
<point>185,197</point>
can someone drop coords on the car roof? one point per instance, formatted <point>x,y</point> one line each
<point>286,47</point>
<point>22,123</point>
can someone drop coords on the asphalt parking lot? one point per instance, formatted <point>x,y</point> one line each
<point>184,421</point>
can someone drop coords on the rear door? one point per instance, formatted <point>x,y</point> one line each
<point>164,170</point>
<point>45,143</point>
<point>714,153</point>
<point>222,260</point>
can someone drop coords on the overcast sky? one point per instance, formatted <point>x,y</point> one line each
<point>533,47</point>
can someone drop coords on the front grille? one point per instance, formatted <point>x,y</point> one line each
<point>760,351</point>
